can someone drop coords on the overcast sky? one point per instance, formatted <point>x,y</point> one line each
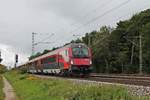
<point>19,18</point>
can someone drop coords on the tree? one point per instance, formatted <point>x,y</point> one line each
<point>45,51</point>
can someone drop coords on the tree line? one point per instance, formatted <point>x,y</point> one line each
<point>116,50</point>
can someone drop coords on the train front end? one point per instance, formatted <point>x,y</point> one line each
<point>81,59</point>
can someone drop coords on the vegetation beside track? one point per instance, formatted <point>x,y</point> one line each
<point>2,69</point>
<point>32,88</point>
<point>1,88</point>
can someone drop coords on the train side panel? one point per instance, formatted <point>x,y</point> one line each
<point>63,60</point>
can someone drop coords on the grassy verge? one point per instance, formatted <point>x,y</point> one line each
<point>1,89</point>
<point>31,88</point>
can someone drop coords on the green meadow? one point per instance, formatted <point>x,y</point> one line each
<point>1,88</point>
<point>28,87</point>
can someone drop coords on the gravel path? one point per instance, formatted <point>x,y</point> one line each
<point>8,90</point>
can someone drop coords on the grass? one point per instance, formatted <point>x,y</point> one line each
<point>32,88</point>
<point>1,89</point>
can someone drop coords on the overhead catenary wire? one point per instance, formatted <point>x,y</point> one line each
<point>42,41</point>
<point>86,14</point>
<point>91,11</point>
<point>100,16</point>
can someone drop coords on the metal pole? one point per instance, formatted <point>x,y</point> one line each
<point>15,62</point>
<point>132,54</point>
<point>89,41</point>
<point>0,57</point>
<point>32,43</point>
<point>15,65</point>
<point>33,49</point>
<point>42,41</point>
<point>140,55</point>
<point>0,54</point>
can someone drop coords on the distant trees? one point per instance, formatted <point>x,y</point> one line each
<point>39,54</point>
<point>34,56</point>
<point>117,50</point>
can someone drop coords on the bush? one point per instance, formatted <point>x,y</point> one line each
<point>22,70</point>
<point>2,69</point>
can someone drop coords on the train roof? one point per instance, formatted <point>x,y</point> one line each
<point>54,52</point>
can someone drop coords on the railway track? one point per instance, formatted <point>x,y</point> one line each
<point>122,81</point>
<point>140,77</point>
<point>131,80</point>
<point>127,80</point>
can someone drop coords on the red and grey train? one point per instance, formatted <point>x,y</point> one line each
<point>74,58</point>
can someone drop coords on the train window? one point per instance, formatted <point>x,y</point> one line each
<point>66,52</point>
<point>85,51</point>
<point>44,61</point>
<point>52,59</point>
<point>80,52</point>
<point>49,60</point>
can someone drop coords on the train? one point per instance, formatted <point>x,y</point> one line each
<point>71,59</point>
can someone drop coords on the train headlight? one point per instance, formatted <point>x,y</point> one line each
<point>90,62</point>
<point>72,62</point>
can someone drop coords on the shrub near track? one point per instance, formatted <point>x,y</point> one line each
<point>29,87</point>
<point>1,89</point>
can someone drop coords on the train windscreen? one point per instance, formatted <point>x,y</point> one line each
<point>80,52</point>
